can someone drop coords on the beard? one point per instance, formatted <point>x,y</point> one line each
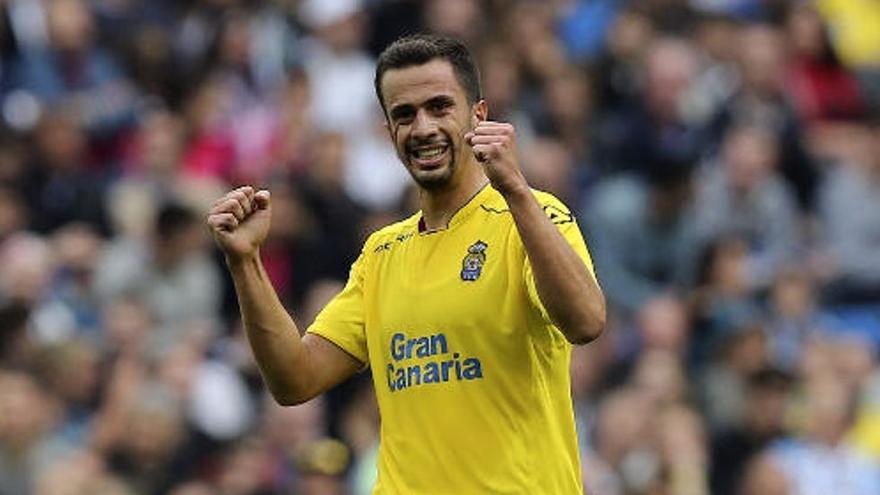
<point>433,180</point>
<point>436,178</point>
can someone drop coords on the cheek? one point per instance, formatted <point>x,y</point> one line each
<point>398,141</point>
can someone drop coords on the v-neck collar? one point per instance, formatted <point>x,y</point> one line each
<point>461,214</point>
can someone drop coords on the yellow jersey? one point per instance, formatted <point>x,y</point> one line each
<point>471,376</point>
<point>854,26</point>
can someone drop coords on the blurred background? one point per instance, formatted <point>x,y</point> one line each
<point>722,157</point>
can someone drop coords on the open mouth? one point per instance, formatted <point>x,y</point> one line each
<point>429,156</point>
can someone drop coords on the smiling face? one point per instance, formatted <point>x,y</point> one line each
<point>428,115</point>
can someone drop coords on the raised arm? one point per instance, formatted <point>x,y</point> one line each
<point>564,284</point>
<point>294,368</point>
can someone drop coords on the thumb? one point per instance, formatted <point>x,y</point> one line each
<point>263,198</point>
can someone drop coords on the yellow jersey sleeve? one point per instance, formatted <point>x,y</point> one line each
<point>342,319</point>
<point>564,220</point>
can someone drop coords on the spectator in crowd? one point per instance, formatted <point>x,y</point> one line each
<point>172,273</point>
<point>766,397</point>
<point>626,213</point>
<point>794,318</point>
<point>13,212</point>
<point>619,65</point>
<point>821,88</point>
<point>60,187</point>
<point>149,450</point>
<point>567,116</point>
<point>742,195</point>
<point>715,37</point>
<point>15,343</point>
<point>80,472</point>
<point>819,459</point>
<point>74,74</point>
<point>763,477</point>
<point>69,370</point>
<point>655,118</point>
<point>340,75</point>
<point>28,417</point>
<point>850,221</point>
<point>760,101</point>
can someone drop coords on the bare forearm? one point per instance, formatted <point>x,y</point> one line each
<point>273,336</point>
<point>566,288</point>
<point>568,291</point>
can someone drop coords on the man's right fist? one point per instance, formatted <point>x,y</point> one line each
<point>239,222</point>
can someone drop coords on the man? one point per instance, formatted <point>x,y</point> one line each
<point>464,312</point>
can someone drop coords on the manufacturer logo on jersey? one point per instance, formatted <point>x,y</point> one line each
<point>472,264</point>
<point>557,215</point>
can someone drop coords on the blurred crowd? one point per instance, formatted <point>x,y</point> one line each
<point>722,158</point>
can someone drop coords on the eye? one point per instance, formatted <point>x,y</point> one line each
<point>439,106</point>
<point>403,115</point>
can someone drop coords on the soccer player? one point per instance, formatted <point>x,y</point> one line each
<point>465,312</point>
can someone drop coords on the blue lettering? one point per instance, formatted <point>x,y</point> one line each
<point>414,376</point>
<point>432,373</point>
<point>427,371</point>
<point>444,370</point>
<point>472,369</point>
<point>423,347</point>
<point>397,348</point>
<point>438,344</point>
<point>390,375</point>
<point>401,378</point>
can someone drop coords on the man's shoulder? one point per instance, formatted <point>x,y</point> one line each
<point>558,212</point>
<point>395,232</point>
<point>549,203</point>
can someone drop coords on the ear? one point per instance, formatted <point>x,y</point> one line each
<point>479,112</point>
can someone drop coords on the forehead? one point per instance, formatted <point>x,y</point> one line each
<point>417,83</point>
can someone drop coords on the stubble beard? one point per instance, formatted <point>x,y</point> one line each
<point>434,180</point>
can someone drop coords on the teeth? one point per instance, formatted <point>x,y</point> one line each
<point>429,153</point>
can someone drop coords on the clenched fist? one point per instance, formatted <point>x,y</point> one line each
<point>494,145</point>
<point>239,222</point>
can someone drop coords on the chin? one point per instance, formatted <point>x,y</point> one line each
<point>436,179</point>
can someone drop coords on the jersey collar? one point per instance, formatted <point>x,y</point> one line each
<point>462,213</point>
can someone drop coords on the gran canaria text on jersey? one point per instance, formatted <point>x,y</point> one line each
<point>436,364</point>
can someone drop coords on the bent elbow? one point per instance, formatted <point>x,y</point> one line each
<point>288,398</point>
<point>586,334</point>
<point>287,401</point>
<point>588,328</point>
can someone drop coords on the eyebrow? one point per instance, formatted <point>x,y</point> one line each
<point>439,100</point>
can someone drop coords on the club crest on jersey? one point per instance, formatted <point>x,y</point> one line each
<point>472,264</point>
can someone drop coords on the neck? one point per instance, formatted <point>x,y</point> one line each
<point>438,206</point>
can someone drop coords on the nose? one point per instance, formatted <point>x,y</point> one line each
<point>423,125</point>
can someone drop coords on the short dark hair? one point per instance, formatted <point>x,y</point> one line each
<point>418,49</point>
